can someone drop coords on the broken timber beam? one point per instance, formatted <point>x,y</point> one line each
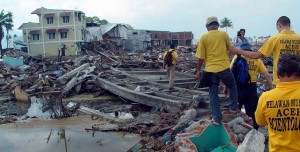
<point>72,73</point>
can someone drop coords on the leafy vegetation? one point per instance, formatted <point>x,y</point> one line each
<point>226,22</point>
<point>7,22</point>
<point>95,19</point>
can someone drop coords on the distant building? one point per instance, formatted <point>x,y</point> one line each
<point>111,31</point>
<point>176,38</point>
<point>56,29</point>
<point>138,40</point>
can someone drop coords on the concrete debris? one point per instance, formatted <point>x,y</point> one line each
<point>253,142</point>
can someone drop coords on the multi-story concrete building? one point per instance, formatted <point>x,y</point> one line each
<point>56,29</point>
<point>176,38</point>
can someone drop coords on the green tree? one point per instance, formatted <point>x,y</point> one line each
<point>226,22</point>
<point>95,19</point>
<point>6,21</point>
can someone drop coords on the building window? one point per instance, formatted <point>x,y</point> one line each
<point>63,35</point>
<point>49,20</point>
<point>51,36</point>
<point>79,17</point>
<point>66,19</point>
<point>35,37</point>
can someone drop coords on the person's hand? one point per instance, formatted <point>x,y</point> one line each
<point>225,91</point>
<point>233,50</point>
<point>199,73</point>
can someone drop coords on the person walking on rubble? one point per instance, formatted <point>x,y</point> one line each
<point>170,60</point>
<point>212,48</point>
<point>280,108</point>
<point>247,91</point>
<point>287,41</point>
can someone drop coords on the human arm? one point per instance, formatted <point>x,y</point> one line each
<point>199,65</point>
<point>164,63</point>
<point>176,58</point>
<point>259,113</point>
<point>263,70</point>
<point>269,79</point>
<point>249,54</point>
<point>237,41</point>
<point>225,90</point>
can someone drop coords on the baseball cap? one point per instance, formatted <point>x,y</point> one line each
<point>211,19</point>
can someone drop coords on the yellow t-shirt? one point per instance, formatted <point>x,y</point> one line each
<point>174,56</point>
<point>255,66</point>
<point>287,41</point>
<point>280,110</point>
<point>213,48</point>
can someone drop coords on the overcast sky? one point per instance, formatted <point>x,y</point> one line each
<point>258,17</point>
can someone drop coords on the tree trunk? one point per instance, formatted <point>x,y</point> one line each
<point>1,37</point>
<point>7,36</point>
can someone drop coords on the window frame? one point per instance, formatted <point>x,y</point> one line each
<point>50,20</point>
<point>35,37</point>
<point>64,35</point>
<point>66,19</point>
<point>51,36</point>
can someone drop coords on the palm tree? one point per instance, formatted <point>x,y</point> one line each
<point>5,20</point>
<point>8,28</point>
<point>226,22</point>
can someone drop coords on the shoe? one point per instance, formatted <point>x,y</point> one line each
<point>227,111</point>
<point>229,115</point>
<point>215,123</point>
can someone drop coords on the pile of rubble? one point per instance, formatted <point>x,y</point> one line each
<point>54,80</point>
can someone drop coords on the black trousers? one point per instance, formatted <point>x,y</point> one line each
<point>247,97</point>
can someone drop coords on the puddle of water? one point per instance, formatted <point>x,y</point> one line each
<point>63,139</point>
<point>51,135</point>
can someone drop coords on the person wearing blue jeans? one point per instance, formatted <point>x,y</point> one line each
<point>213,50</point>
<point>227,78</point>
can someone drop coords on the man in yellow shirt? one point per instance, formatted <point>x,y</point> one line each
<point>213,49</point>
<point>247,92</point>
<point>170,65</point>
<point>280,108</point>
<point>287,41</point>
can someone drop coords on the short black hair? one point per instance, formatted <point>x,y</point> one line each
<point>289,65</point>
<point>285,21</point>
<point>172,46</point>
<point>243,30</point>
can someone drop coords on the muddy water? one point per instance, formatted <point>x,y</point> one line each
<point>42,135</point>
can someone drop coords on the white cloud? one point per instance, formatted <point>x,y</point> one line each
<point>256,16</point>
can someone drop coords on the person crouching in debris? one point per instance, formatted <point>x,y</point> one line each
<point>212,48</point>
<point>170,61</point>
<point>245,72</point>
<point>280,108</point>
